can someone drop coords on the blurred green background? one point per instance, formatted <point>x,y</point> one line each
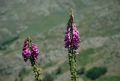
<point>45,22</point>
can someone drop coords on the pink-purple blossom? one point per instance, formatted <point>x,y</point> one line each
<point>30,50</point>
<point>72,37</point>
<point>35,51</point>
<point>26,54</point>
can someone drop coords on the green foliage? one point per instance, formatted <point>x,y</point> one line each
<point>109,78</point>
<point>59,71</point>
<point>7,70</point>
<point>96,72</point>
<point>5,43</point>
<point>81,71</point>
<point>24,72</point>
<point>48,77</point>
<point>48,65</point>
<point>85,56</point>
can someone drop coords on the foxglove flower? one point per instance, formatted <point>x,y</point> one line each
<point>26,53</point>
<point>35,51</point>
<point>31,51</point>
<point>72,38</point>
<point>72,43</point>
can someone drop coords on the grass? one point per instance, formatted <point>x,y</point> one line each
<point>45,23</point>
<point>103,78</point>
<point>95,72</point>
<point>109,78</point>
<point>22,74</point>
<point>49,65</point>
<point>85,56</point>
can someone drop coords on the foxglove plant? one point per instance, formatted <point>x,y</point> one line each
<point>72,43</point>
<point>30,52</point>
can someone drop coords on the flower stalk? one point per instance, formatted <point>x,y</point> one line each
<point>37,72</point>
<point>72,64</point>
<point>72,41</point>
<point>30,52</point>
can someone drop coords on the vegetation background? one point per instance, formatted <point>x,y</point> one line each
<point>45,21</point>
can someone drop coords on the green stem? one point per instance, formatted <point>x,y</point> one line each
<point>37,72</point>
<point>36,69</point>
<point>72,64</point>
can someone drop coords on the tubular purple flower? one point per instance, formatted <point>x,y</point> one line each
<point>26,53</point>
<point>73,42</point>
<point>30,50</point>
<point>26,44</point>
<point>35,51</point>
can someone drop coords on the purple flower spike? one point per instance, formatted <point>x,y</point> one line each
<point>30,50</point>
<point>26,53</point>
<point>35,51</point>
<point>76,37</point>
<point>72,40</point>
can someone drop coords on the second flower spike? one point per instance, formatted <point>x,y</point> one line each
<point>30,50</point>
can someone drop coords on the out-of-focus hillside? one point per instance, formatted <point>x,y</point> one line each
<point>45,21</point>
